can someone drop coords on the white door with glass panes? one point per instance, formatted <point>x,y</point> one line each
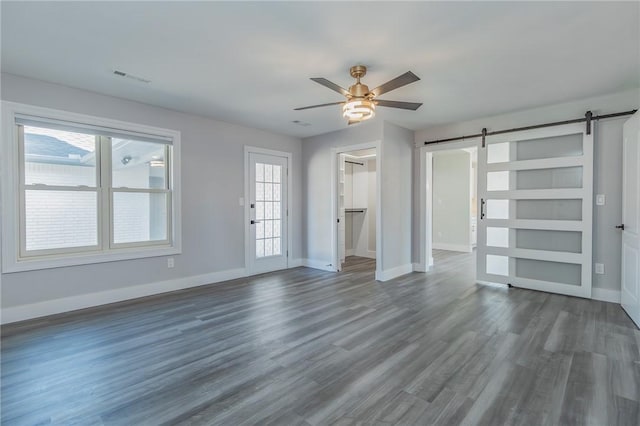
<point>267,213</point>
<point>630,226</point>
<point>535,209</point>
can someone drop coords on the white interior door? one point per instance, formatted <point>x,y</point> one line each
<point>535,209</point>
<point>268,213</point>
<point>630,295</point>
<point>341,225</point>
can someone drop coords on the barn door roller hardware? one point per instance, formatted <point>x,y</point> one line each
<point>588,119</point>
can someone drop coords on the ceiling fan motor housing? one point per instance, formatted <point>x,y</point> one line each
<point>358,90</point>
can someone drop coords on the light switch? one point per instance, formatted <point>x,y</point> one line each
<point>170,262</point>
<point>600,268</point>
<point>600,199</point>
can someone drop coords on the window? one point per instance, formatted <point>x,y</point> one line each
<point>88,193</point>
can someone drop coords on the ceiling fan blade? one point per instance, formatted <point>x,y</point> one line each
<point>402,80</point>
<point>398,104</point>
<point>331,85</point>
<point>318,106</point>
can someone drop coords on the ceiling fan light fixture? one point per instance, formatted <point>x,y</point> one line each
<point>359,110</point>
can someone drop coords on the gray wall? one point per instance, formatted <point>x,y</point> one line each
<point>395,171</point>
<point>316,184</point>
<point>607,167</point>
<point>212,183</point>
<point>452,200</point>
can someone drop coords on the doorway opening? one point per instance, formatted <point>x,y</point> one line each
<point>357,210</point>
<point>454,189</point>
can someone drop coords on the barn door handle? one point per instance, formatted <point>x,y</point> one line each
<point>482,203</point>
<point>621,227</point>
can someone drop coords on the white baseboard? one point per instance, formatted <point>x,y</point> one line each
<point>453,247</point>
<point>605,295</point>
<point>367,253</point>
<point>389,274</point>
<point>67,304</point>
<point>73,303</point>
<point>417,267</point>
<point>318,264</point>
<point>295,263</point>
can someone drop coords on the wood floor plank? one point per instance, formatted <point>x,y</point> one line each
<point>307,347</point>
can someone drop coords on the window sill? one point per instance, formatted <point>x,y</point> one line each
<point>89,258</point>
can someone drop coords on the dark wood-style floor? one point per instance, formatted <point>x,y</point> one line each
<point>305,347</point>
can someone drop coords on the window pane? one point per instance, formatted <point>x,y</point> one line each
<point>276,192</point>
<point>259,191</point>
<point>138,164</point>
<point>139,217</point>
<point>260,230</point>
<point>268,191</point>
<point>549,209</point>
<point>268,173</point>
<point>260,210</point>
<point>56,157</point>
<point>60,219</point>
<point>276,246</point>
<point>563,177</point>
<point>497,265</point>
<point>557,272</point>
<point>276,211</point>
<point>276,228</point>
<point>497,237</point>
<point>538,239</point>
<point>268,247</point>
<point>259,172</point>
<point>498,152</point>
<point>268,229</point>
<point>554,146</point>
<point>268,210</point>
<point>260,248</point>
<point>497,209</point>
<point>498,181</point>
<point>276,173</point>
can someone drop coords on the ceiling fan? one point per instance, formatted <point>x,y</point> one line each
<point>361,102</point>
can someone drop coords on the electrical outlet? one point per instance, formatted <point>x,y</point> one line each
<point>170,262</point>
<point>600,199</point>
<point>599,268</point>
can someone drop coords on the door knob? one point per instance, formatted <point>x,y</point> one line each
<point>621,227</point>
<point>253,222</point>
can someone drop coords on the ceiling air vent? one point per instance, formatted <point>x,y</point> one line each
<point>131,76</point>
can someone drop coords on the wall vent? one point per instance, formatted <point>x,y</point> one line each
<point>131,76</point>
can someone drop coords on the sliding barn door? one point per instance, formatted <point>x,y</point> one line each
<point>535,203</point>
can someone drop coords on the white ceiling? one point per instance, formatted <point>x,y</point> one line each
<point>250,63</point>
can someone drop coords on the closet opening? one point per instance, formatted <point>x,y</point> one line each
<point>357,210</point>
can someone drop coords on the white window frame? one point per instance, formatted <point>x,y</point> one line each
<point>15,258</point>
